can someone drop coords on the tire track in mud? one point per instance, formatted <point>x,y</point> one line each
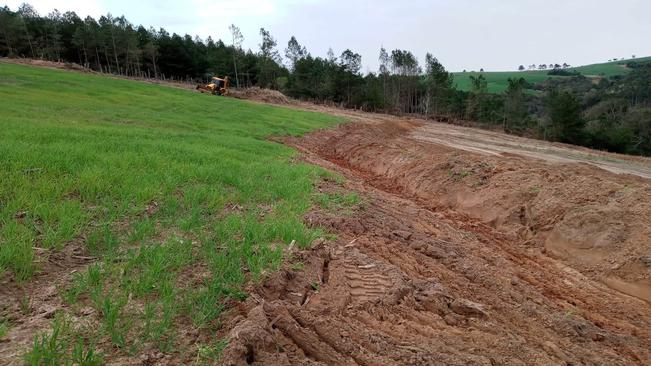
<point>591,218</point>
<point>411,282</point>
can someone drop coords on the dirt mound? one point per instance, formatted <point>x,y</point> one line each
<point>261,95</point>
<point>45,63</point>
<point>595,220</point>
<point>406,285</point>
<point>447,262</point>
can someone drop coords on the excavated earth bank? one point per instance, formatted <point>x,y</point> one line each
<point>460,256</point>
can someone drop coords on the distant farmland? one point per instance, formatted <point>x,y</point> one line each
<point>498,80</point>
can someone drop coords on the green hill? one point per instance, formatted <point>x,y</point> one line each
<point>498,80</point>
<point>154,182</point>
<point>608,68</point>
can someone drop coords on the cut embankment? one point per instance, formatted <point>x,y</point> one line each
<point>595,220</point>
<point>409,280</point>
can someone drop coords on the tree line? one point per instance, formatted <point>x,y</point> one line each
<point>613,113</point>
<point>531,67</point>
<point>114,45</point>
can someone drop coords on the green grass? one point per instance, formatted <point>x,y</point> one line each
<point>340,202</point>
<point>498,80</point>
<point>4,328</point>
<point>608,68</point>
<point>64,345</point>
<point>209,354</point>
<point>145,178</point>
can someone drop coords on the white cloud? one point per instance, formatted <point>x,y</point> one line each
<point>83,8</point>
<point>212,17</point>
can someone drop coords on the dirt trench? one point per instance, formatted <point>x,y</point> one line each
<point>456,258</point>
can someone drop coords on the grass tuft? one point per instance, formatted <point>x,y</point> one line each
<point>64,345</point>
<point>4,329</point>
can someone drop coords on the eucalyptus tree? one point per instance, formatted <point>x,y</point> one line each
<point>515,109</point>
<point>294,52</point>
<point>270,59</point>
<point>438,85</point>
<point>237,39</point>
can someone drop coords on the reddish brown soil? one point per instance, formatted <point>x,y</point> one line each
<point>31,307</point>
<point>261,95</point>
<point>458,258</point>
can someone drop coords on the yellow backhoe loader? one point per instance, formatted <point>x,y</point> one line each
<point>217,86</point>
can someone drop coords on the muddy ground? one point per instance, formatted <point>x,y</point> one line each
<point>470,248</point>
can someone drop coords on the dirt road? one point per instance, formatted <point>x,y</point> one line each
<point>502,145</point>
<point>469,248</point>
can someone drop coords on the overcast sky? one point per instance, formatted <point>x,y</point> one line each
<point>463,34</point>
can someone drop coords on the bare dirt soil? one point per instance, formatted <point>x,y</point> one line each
<point>31,307</point>
<point>48,64</point>
<point>261,95</point>
<point>470,248</point>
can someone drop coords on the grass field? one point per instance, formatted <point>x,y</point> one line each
<point>608,68</point>
<point>179,195</point>
<point>498,80</point>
